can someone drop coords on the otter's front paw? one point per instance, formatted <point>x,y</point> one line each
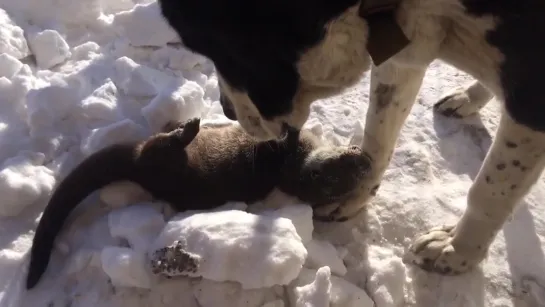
<point>435,252</point>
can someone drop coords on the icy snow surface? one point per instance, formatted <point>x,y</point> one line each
<point>76,75</point>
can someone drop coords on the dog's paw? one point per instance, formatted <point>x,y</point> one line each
<point>434,252</point>
<point>457,104</point>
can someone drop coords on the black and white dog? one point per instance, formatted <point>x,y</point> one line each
<point>275,57</point>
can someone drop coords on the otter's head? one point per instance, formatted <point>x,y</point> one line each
<point>274,58</point>
<point>326,174</point>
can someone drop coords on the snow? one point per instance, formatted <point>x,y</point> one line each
<point>257,251</point>
<point>12,40</point>
<point>310,285</point>
<point>322,253</point>
<point>78,75</point>
<point>49,48</point>
<point>138,224</point>
<point>23,179</point>
<point>316,293</point>
<point>125,267</point>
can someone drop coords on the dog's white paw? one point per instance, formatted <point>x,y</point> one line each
<point>435,252</point>
<point>457,104</point>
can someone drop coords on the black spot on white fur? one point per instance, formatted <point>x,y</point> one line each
<point>384,94</point>
<point>510,144</point>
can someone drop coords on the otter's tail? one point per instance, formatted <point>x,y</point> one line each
<point>113,163</point>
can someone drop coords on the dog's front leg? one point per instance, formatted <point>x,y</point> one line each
<point>512,166</point>
<point>393,93</point>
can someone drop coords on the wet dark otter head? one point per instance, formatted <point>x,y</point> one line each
<point>322,175</point>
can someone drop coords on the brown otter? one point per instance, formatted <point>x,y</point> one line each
<point>193,167</point>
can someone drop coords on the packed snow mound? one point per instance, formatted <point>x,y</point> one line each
<point>143,26</point>
<point>256,251</point>
<point>310,285</point>
<point>322,253</point>
<point>49,48</point>
<point>315,294</point>
<point>125,267</point>
<point>138,224</point>
<point>300,215</point>
<point>12,39</point>
<point>23,180</point>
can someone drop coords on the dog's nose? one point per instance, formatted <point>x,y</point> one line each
<point>227,107</point>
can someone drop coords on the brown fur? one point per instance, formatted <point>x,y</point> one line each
<point>193,167</point>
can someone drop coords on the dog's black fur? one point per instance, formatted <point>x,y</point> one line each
<point>519,37</point>
<point>245,38</point>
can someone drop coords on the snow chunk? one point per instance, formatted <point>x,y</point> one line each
<point>342,292</point>
<point>387,281</point>
<point>12,38</point>
<point>125,267</point>
<point>85,51</point>
<point>256,251</point>
<point>145,26</point>
<point>187,60</point>
<point>9,65</point>
<point>227,294</point>
<point>49,105</point>
<point>138,80</point>
<point>211,89</point>
<point>81,259</point>
<point>178,101</point>
<point>23,179</point>
<point>300,215</point>
<point>123,193</point>
<point>138,224</point>
<point>125,130</point>
<point>102,103</point>
<point>49,47</point>
<point>315,294</point>
<point>322,253</point>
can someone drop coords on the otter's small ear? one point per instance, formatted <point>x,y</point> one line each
<point>189,131</point>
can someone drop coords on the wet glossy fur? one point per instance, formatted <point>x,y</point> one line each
<point>274,58</point>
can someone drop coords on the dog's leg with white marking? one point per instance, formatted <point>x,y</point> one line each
<point>512,166</point>
<point>464,101</point>
<point>393,93</point>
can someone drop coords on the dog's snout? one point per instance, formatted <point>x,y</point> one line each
<point>227,107</point>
